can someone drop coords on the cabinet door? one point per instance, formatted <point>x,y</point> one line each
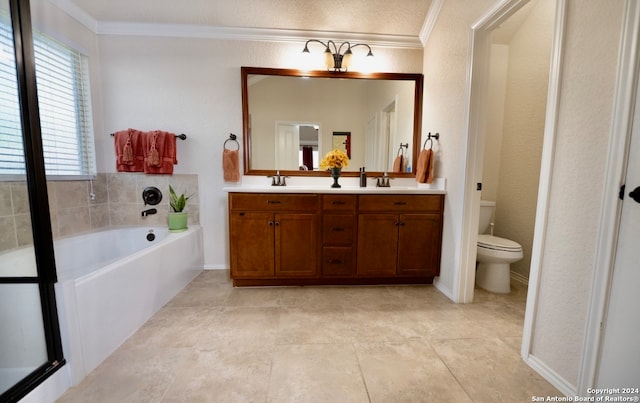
<point>252,241</point>
<point>296,245</point>
<point>377,244</point>
<point>419,245</point>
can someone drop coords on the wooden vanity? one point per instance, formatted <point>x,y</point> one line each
<point>334,238</point>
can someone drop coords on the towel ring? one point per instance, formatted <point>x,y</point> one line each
<point>400,150</point>
<point>430,137</point>
<point>232,137</point>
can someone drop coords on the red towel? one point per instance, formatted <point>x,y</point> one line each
<point>424,168</point>
<point>231,165</point>
<point>159,150</point>
<point>397,164</point>
<point>129,155</point>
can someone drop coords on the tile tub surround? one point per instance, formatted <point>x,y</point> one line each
<point>216,343</point>
<point>117,202</point>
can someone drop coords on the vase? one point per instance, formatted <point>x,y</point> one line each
<point>178,222</point>
<point>335,174</point>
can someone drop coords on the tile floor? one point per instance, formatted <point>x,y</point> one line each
<point>216,343</point>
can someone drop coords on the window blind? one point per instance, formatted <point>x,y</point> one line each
<point>64,102</point>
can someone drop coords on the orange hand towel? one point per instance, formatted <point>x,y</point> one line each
<point>424,168</point>
<point>159,152</point>
<point>231,165</point>
<point>128,144</point>
<point>397,164</point>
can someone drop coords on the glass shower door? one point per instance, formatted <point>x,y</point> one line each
<point>30,347</point>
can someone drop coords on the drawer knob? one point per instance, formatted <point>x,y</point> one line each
<point>338,202</point>
<point>335,261</point>
<point>273,202</point>
<point>337,229</point>
<point>400,203</point>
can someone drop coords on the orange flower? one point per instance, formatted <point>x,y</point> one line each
<point>334,159</point>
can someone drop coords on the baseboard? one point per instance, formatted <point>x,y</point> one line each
<point>551,376</point>
<point>216,267</point>
<point>445,290</point>
<point>519,278</point>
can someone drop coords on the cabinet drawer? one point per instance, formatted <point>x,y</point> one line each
<point>400,203</point>
<point>337,261</point>
<point>339,202</point>
<point>338,229</point>
<point>273,202</point>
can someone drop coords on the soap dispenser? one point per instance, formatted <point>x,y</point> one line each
<point>363,178</point>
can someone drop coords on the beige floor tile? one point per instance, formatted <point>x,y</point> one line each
<point>407,372</point>
<point>384,323</point>
<point>316,373</point>
<point>222,375</point>
<point>514,342</point>
<point>313,324</point>
<point>236,327</point>
<point>331,296</point>
<point>201,294</point>
<point>490,371</point>
<point>136,374</point>
<point>256,297</point>
<point>175,327</point>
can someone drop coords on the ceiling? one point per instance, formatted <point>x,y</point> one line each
<point>389,18</point>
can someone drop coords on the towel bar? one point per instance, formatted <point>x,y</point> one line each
<point>181,136</point>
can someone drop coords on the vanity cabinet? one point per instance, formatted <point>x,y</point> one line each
<point>399,235</point>
<point>273,236</point>
<point>338,234</point>
<point>298,239</point>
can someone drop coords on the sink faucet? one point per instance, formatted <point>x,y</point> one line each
<point>383,181</point>
<point>149,212</point>
<point>277,180</point>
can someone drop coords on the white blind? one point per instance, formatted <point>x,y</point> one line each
<point>64,103</point>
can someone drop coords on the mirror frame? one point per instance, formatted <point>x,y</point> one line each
<point>417,114</point>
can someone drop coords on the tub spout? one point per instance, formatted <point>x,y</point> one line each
<point>149,212</point>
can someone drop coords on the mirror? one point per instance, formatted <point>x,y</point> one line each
<point>292,118</point>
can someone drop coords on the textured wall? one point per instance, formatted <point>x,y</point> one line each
<point>586,102</point>
<point>524,120</point>
<point>445,70</point>
<point>193,86</point>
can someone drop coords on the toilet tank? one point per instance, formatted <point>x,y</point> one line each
<point>486,212</point>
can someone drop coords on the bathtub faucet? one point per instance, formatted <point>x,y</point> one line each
<point>149,212</point>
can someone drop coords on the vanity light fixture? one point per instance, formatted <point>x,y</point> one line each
<point>337,59</point>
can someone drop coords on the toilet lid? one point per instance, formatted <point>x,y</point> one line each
<point>497,243</point>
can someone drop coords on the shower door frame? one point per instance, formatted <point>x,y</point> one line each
<point>38,202</point>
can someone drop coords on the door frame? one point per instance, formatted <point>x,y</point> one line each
<point>627,83</point>
<point>477,81</point>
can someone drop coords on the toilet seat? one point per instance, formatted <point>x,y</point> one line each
<point>498,244</point>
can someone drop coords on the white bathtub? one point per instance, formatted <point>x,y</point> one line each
<point>111,282</point>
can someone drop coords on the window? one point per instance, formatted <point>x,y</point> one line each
<point>65,109</point>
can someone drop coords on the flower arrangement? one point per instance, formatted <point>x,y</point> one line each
<point>334,159</point>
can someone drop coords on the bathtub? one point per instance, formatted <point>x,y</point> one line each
<point>111,282</point>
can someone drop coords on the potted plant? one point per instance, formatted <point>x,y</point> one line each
<point>177,216</point>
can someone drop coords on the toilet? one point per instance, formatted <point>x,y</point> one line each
<point>494,255</point>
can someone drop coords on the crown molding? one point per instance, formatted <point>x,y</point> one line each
<point>251,34</point>
<point>430,21</point>
<point>229,33</point>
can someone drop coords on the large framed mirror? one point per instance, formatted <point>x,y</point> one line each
<point>292,118</point>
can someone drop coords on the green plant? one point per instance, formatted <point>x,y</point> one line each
<point>177,203</point>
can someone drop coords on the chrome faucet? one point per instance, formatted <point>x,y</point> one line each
<point>278,180</point>
<point>383,181</point>
<point>149,212</point>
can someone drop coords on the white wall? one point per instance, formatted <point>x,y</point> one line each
<point>192,86</point>
<point>586,103</point>
<point>589,66</point>
<point>523,129</point>
<point>445,71</point>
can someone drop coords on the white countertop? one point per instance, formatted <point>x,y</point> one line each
<point>349,186</point>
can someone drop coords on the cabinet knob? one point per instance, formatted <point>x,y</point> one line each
<point>273,202</point>
<point>337,202</point>
<point>400,203</point>
<point>335,261</point>
<point>270,223</point>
